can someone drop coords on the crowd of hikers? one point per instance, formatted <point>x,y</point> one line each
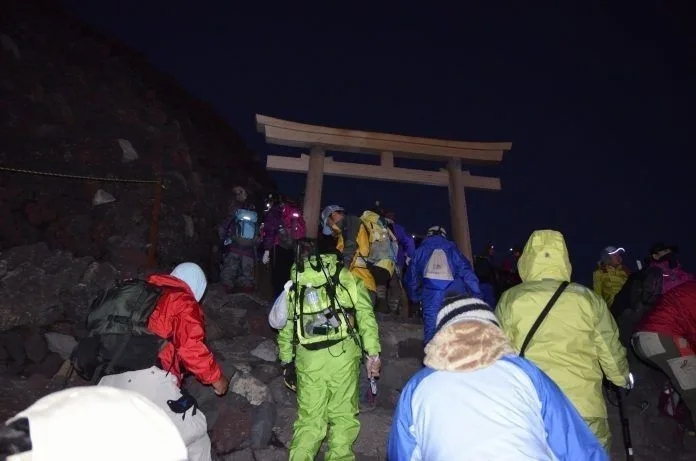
<point>516,355</point>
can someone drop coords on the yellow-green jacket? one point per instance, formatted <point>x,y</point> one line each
<point>351,290</point>
<point>577,340</point>
<point>608,280</point>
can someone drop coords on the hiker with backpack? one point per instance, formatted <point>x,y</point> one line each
<point>352,241</point>
<point>283,226</point>
<point>610,275</point>
<point>330,325</point>
<point>239,237</point>
<point>161,335</point>
<point>476,399</point>
<point>565,329</point>
<point>666,338</point>
<point>407,250</point>
<point>438,270</point>
<point>381,259</point>
<point>666,259</point>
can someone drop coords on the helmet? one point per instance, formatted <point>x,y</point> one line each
<point>437,230</point>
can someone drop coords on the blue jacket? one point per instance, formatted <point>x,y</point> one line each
<point>460,267</point>
<point>507,410</point>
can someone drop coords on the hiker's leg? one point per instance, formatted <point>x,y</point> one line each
<point>281,261</point>
<point>246,279</point>
<point>600,428</point>
<point>675,357</point>
<point>310,426</point>
<point>344,426</point>
<point>230,269</point>
<point>158,386</point>
<point>394,293</point>
<point>381,277</point>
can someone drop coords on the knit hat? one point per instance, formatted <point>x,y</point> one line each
<point>464,309</point>
<point>437,230</point>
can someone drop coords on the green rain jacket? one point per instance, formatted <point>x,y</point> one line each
<point>350,290</point>
<point>578,340</point>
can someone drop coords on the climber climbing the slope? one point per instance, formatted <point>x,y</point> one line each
<point>438,269</point>
<point>610,275</point>
<point>352,241</point>
<point>577,343</point>
<point>330,325</point>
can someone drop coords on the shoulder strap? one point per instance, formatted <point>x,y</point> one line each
<point>542,316</point>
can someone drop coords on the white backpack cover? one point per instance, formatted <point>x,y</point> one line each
<point>438,267</point>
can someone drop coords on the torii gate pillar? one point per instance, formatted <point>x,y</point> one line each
<point>313,186</point>
<point>458,211</point>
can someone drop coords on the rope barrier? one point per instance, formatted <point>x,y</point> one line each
<point>74,176</point>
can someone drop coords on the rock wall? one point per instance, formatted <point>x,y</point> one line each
<point>74,102</point>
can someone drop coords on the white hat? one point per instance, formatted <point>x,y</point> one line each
<point>100,423</point>
<point>193,276</point>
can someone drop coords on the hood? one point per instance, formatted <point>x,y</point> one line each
<point>310,275</point>
<point>545,256</point>
<point>193,276</point>
<point>466,346</point>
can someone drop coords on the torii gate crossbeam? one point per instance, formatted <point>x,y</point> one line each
<point>318,140</point>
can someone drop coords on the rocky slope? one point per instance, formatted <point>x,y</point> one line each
<point>75,102</point>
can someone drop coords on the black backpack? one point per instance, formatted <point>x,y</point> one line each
<point>637,297</point>
<point>117,336</point>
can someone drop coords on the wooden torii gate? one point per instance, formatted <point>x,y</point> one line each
<point>319,139</point>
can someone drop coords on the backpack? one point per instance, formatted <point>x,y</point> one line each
<point>383,242</point>
<point>117,336</point>
<point>292,226</point>
<point>438,267</point>
<point>638,296</point>
<point>323,324</point>
<point>245,224</point>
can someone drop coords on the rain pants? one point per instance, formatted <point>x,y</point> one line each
<point>608,280</point>
<point>431,292</point>
<point>327,379</point>
<point>579,338</point>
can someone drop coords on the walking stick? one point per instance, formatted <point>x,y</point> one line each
<point>628,444</point>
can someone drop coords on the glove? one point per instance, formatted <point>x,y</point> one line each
<point>373,366</point>
<point>266,257</point>
<point>290,376</point>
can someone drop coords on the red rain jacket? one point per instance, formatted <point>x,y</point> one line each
<point>179,319</point>
<point>674,314</point>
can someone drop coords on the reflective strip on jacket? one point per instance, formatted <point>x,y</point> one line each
<point>578,339</point>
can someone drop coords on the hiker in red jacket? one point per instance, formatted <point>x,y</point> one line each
<point>179,318</point>
<point>666,336</point>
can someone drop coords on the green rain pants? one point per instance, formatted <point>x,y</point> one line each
<point>327,398</point>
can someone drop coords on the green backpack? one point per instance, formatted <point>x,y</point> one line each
<point>117,336</point>
<point>320,314</point>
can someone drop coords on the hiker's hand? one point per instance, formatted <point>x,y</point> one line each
<point>373,366</point>
<point>221,385</point>
<point>266,257</point>
<point>290,376</point>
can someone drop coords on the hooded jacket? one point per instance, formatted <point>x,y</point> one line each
<point>607,281</point>
<point>477,400</point>
<point>407,247</point>
<point>674,314</point>
<point>578,340</point>
<point>179,318</point>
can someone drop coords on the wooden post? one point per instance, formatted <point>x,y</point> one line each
<point>312,198</point>
<point>458,212</point>
<point>154,227</point>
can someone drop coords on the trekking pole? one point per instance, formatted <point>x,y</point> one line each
<point>628,444</point>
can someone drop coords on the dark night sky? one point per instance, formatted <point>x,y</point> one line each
<point>595,100</point>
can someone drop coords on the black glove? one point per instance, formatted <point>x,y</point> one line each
<point>290,376</point>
